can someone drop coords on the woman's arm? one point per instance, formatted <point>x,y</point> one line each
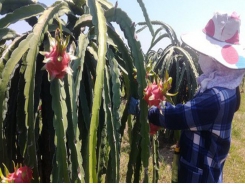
<point>197,114</point>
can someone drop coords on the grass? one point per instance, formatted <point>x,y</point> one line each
<point>234,169</point>
<point>165,154</point>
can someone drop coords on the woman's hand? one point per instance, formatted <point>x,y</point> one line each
<point>153,117</point>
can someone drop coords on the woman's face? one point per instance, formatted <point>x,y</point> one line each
<point>206,63</point>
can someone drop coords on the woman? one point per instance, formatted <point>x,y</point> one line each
<point>206,120</point>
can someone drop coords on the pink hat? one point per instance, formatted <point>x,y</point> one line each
<point>219,40</point>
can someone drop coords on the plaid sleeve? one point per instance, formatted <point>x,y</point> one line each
<point>197,114</point>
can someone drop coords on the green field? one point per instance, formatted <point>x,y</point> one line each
<point>234,171</point>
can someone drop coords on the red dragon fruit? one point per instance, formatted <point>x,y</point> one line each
<point>154,129</point>
<point>154,94</point>
<point>58,59</point>
<point>157,92</point>
<point>20,175</point>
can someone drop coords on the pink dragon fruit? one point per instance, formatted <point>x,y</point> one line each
<point>154,129</point>
<point>20,175</point>
<point>154,94</point>
<point>58,59</point>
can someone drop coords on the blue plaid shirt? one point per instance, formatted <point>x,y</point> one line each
<point>205,140</point>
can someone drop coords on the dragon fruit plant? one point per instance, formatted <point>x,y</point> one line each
<point>68,128</point>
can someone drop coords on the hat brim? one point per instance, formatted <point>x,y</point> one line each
<point>230,55</point>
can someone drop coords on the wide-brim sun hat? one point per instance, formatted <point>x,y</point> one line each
<point>219,40</point>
